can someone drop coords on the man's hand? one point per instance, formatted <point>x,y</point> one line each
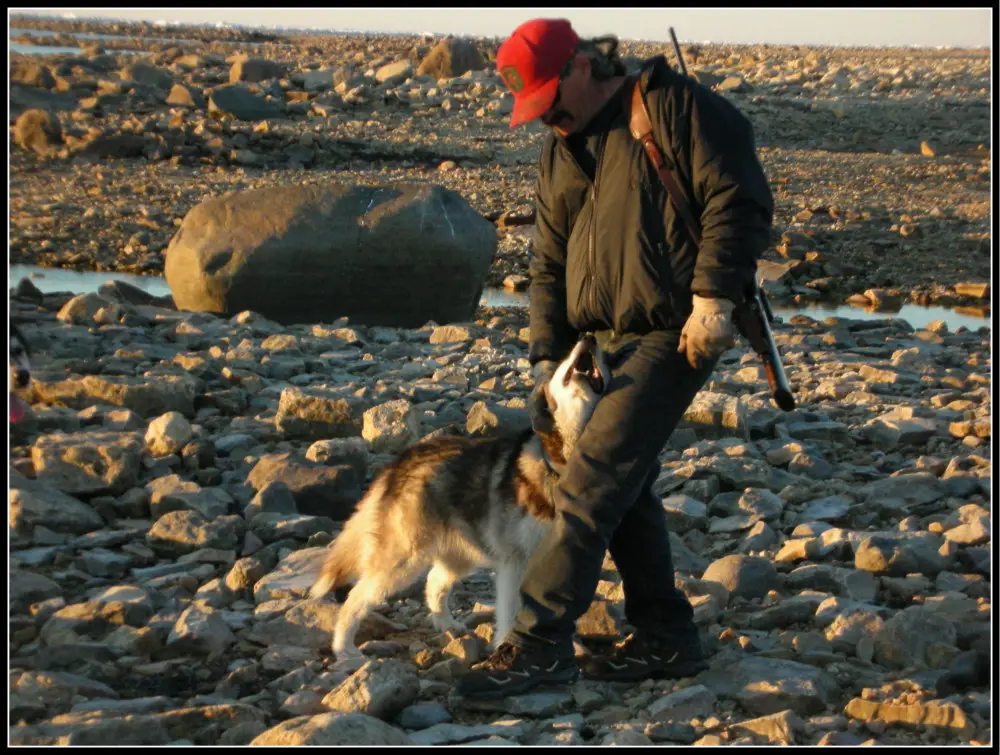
<point>538,407</point>
<point>708,332</point>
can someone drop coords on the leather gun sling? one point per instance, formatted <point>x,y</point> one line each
<point>642,130</point>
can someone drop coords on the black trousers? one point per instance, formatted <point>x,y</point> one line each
<point>604,500</point>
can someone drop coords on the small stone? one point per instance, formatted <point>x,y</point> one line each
<point>168,434</point>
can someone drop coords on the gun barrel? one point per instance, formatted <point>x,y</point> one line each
<point>677,51</point>
<point>776,379</point>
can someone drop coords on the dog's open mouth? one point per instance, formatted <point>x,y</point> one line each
<point>587,368</point>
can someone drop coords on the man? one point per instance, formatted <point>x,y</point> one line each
<point>611,256</point>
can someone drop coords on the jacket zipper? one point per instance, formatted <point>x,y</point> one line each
<point>593,223</point>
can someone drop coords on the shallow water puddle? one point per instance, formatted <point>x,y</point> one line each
<point>49,280</point>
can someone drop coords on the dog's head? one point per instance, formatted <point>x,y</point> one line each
<point>19,375</point>
<point>573,391</point>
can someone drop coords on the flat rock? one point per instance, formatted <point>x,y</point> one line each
<point>332,730</point>
<point>302,415</point>
<point>88,464</point>
<point>764,686</point>
<point>238,101</point>
<point>380,688</point>
<point>34,503</point>
<point>147,396</point>
<point>179,532</point>
<point>318,489</point>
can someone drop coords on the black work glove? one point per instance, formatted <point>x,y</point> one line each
<point>538,408</point>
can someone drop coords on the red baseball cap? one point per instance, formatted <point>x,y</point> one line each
<point>530,62</point>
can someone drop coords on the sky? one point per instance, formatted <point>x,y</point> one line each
<point>889,27</point>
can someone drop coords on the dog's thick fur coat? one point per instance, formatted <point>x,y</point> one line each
<point>453,504</point>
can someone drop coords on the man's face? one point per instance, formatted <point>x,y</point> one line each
<point>570,110</point>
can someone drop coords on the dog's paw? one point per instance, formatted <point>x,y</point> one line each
<point>448,625</point>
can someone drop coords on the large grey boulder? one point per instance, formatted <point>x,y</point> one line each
<point>239,102</point>
<point>396,255</point>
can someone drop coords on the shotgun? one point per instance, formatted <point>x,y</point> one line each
<point>753,320</point>
<point>753,317</point>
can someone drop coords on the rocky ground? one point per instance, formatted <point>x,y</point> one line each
<point>173,491</point>
<point>172,494</point>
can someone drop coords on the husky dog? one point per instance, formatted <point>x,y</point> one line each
<point>453,504</point>
<point>19,375</point>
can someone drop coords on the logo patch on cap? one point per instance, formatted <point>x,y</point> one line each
<point>512,78</point>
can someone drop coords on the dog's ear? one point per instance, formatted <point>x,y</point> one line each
<point>552,442</point>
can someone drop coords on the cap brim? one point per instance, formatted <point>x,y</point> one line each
<point>527,107</point>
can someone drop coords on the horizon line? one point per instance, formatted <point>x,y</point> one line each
<point>334,30</point>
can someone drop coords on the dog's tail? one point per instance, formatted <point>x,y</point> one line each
<point>343,558</point>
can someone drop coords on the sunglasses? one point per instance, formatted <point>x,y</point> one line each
<point>555,102</point>
<point>566,71</point>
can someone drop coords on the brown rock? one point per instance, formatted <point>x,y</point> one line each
<point>38,131</point>
<point>777,728</point>
<point>88,463</point>
<point>450,58</point>
<point>790,252</point>
<point>332,729</point>
<point>975,290</point>
<point>884,300</point>
<point>183,96</point>
<point>943,716</point>
<point>255,69</point>
<point>600,620</point>
<point>32,74</point>
<point>317,488</point>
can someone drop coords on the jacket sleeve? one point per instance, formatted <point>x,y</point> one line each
<point>729,185</point>
<point>551,334</point>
